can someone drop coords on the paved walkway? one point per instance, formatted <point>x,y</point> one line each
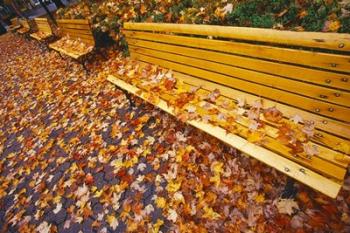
<point>75,157</point>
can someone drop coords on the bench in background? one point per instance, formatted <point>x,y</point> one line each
<point>14,25</point>
<point>302,74</point>
<point>25,27</point>
<point>44,29</point>
<point>78,40</point>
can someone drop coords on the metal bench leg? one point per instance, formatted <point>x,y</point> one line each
<point>128,96</point>
<point>290,191</point>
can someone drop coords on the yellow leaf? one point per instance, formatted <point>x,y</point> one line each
<point>343,147</point>
<point>210,213</point>
<point>156,226</point>
<point>160,202</point>
<point>215,179</point>
<point>259,198</point>
<point>173,186</point>
<point>216,167</point>
<point>112,221</point>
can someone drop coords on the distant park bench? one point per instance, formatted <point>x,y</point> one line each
<point>44,29</point>
<point>25,27</point>
<point>78,40</point>
<point>14,25</point>
<point>305,75</point>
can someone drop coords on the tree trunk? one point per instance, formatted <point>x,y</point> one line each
<point>58,3</point>
<point>47,11</point>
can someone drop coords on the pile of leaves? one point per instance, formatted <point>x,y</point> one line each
<point>73,45</point>
<point>76,157</point>
<point>301,15</point>
<point>193,102</point>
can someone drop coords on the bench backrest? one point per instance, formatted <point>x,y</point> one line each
<point>316,82</point>
<point>77,28</point>
<point>43,25</point>
<point>301,73</point>
<point>24,23</point>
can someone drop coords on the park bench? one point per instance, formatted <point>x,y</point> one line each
<point>25,27</point>
<point>78,40</point>
<point>44,29</point>
<point>14,25</point>
<point>304,76</point>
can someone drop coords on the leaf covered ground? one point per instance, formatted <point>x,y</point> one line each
<point>76,157</point>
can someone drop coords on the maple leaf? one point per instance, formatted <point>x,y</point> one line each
<point>160,202</point>
<point>173,186</point>
<point>149,209</point>
<point>112,221</point>
<point>58,208</point>
<point>210,213</point>
<point>141,167</point>
<point>260,198</point>
<point>44,227</point>
<point>273,114</point>
<point>311,150</point>
<point>297,119</point>
<point>172,215</point>
<point>89,179</point>
<point>287,206</point>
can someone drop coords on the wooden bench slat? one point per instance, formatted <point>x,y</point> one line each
<point>317,163</point>
<point>323,135</point>
<point>322,93</point>
<point>340,113</point>
<point>243,125</point>
<point>78,31</point>
<point>286,166</point>
<point>324,152</point>
<point>74,55</point>
<point>324,78</point>
<point>312,59</point>
<point>332,41</point>
<point>73,21</point>
<point>43,26</point>
<point>255,64</point>
<point>332,127</point>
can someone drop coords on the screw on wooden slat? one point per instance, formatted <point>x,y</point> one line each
<point>333,65</point>
<point>323,96</point>
<point>302,170</point>
<point>341,45</point>
<point>344,79</point>
<point>286,169</point>
<point>325,122</point>
<point>319,135</point>
<point>317,110</point>
<point>331,109</point>
<point>337,94</point>
<point>328,81</point>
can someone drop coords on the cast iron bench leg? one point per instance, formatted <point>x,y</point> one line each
<point>290,191</point>
<point>128,96</point>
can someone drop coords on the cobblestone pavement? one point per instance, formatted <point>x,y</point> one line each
<point>76,157</point>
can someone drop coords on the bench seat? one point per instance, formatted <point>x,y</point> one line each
<point>69,52</point>
<point>291,75</point>
<point>76,31</point>
<point>44,29</point>
<point>13,28</point>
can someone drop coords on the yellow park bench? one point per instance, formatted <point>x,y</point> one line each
<point>14,25</point>
<point>25,27</point>
<point>44,29</point>
<point>261,91</point>
<point>78,40</point>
